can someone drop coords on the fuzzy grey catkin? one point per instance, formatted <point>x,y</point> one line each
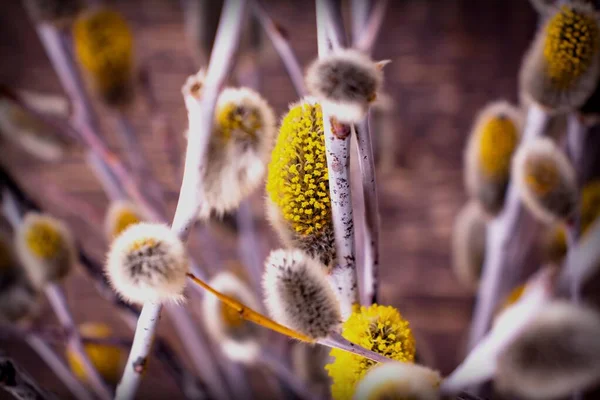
<point>148,263</point>
<point>347,81</point>
<point>298,295</point>
<point>240,144</point>
<point>45,247</point>
<point>468,245</point>
<point>557,354</point>
<point>546,180</point>
<point>560,70</point>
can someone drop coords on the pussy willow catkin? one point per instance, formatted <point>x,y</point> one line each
<point>299,205</point>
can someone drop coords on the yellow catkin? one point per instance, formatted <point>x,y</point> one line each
<point>570,46</point>
<point>123,220</point>
<point>378,328</point>
<point>513,297</point>
<point>498,140</point>
<point>298,178</point>
<point>590,205</point>
<point>44,240</point>
<point>232,118</point>
<point>104,47</point>
<point>143,243</point>
<point>107,359</point>
<point>541,175</point>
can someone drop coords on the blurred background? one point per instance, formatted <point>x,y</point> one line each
<point>449,58</point>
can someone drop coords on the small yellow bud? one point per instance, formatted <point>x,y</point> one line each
<point>104,48</point>
<point>107,359</point>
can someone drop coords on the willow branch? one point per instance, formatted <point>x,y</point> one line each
<point>337,143</point>
<point>365,39</point>
<point>497,276</point>
<point>279,38</point>
<point>200,114</point>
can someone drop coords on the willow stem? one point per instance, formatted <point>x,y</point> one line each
<point>282,45</point>
<point>200,115</point>
<point>337,144</point>
<point>337,341</point>
<point>498,278</point>
<point>365,38</point>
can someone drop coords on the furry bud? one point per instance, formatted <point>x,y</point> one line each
<point>238,151</point>
<point>557,353</point>
<point>239,339</point>
<point>45,247</point>
<point>492,143</point>
<point>58,12</point>
<point>560,71</point>
<point>346,82</point>
<point>399,381</point>
<point>299,205</point>
<point>468,245</point>
<point>148,263</point>
<point>120,215</point>
<point>32,135</point>
<point>104,48</point>
<point>107,359</point>
<point>298,295</point>
<point>546,180</point>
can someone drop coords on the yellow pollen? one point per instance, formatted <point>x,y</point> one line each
<point>497,143</point>
<point>298,178</point>
<point>590,205</point>
<point>44,240</point>
<point>142,243</point>
<point>570,46</point>
<point>104,47</point>
<point>231,118</point>
<point>378,328</point>
<point>541,175</point>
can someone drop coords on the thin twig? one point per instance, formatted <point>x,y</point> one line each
<point>200,115</point>
<point>278,37</point>
<point>58,303</point>
<point>371,212</point>
<point>19,383</point>
<point>372,27</point>
<point>366,162</point>
<point>337,143</point>
<point>496,280</point>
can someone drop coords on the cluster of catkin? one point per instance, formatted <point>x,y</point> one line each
<point>513,165</point>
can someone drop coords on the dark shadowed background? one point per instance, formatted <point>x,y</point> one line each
<point>448,59</point>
